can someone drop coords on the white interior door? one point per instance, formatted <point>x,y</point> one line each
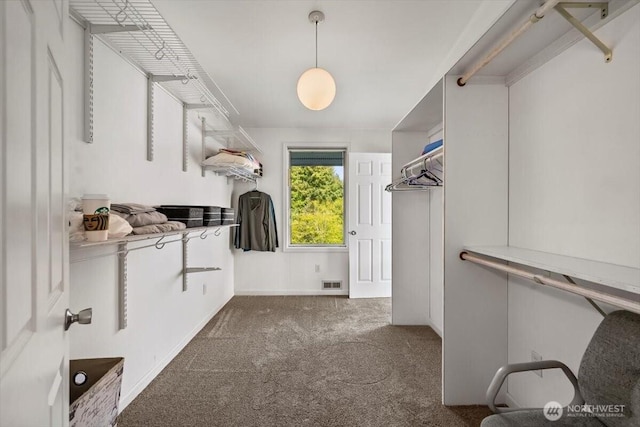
<point>369,225</point>
<point>33,255</point>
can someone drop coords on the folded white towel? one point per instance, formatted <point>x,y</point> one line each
<point>118,227</point>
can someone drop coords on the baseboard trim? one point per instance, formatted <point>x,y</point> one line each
<point>263,292</point>
<point>146,380</point>
<point>436,329</point>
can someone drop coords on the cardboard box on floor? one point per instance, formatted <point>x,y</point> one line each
<point>95,402</point>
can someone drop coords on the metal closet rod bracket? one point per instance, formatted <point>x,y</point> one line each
<point>592,302</point>
<point>562,7</point>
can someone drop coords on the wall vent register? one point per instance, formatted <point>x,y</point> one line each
<point>335,284</point>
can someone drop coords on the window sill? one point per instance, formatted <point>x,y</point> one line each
<point>316,249</point>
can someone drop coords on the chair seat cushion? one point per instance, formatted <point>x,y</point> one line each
<point>535,418</point>
<point>610,369</point>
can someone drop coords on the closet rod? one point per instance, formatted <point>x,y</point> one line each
<point>542,280</point>
<point>535,17</point>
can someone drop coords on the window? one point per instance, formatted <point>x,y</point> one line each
<point>316,198</point>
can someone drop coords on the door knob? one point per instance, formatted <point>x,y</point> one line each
<point>353,232</point>
<point>83,317</point>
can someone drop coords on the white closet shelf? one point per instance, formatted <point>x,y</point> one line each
<point>422,173</point>
<point>420,161</point>
<point>142,237</point>
<point>611,275</point>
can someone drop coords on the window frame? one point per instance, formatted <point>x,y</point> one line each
<point>311,146</point>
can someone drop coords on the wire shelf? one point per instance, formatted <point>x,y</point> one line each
<point>154,47</point>
<point>134,238</point>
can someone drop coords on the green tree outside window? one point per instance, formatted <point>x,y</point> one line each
<point>317,206</point>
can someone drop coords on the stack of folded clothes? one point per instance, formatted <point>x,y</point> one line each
<point>235,160</point>
<point>145,219</point>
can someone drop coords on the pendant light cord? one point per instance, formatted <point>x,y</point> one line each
<point>316,43</point>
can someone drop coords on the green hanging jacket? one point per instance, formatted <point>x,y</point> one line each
<point>257,230</point>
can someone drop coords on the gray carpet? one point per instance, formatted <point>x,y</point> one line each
<point>302,361</point>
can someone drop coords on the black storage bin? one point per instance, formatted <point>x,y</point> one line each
<point>228,216</point>
<point>190,215</point>
<point>212,215</point>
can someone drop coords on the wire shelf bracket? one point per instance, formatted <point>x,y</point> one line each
<point>185,261</point>
<point>151,79</point>
<point>89,31</point>
<point>122,285</point>
<point>186,107</point>
<point>561,8</point>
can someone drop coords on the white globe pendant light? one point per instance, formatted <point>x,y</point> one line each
<point>316,87</point>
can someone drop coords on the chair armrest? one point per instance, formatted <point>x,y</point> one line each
<point>503,372</point>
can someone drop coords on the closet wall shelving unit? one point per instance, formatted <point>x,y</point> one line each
<point>159,240</point>
<point>475,207</point>
<point>137,32</point>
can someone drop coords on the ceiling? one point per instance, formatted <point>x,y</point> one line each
<point>383,54</point>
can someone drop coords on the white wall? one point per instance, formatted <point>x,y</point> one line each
<point>436,255</point>
<point>418,223</point>
<point>475,213</point>
<point>410,244</point>
<point>293,273</point>
<point>436,259</point>
<point>574,189</point>
<point>161,318</point>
